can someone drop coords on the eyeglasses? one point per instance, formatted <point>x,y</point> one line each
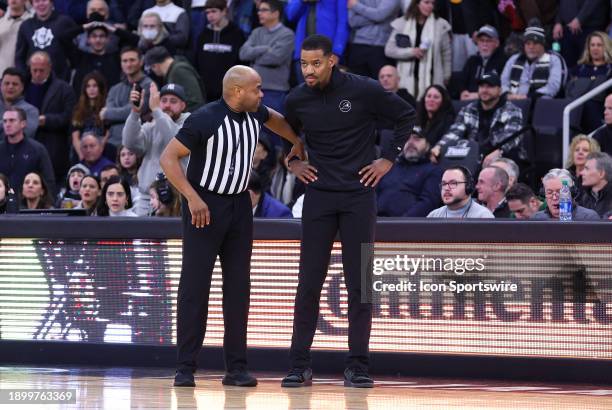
<point>263,9</point>
<point>550,193</point>
<point>451,184</point>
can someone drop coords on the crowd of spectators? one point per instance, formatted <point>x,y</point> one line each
<point>92,91</point>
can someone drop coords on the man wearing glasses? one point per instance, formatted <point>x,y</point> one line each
<point>552,182</point>
<point>456,189</point>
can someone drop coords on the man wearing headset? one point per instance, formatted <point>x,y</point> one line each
<point>456,189</point>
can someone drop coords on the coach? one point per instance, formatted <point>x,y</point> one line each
<point>217,216</point>
<point>337,113</point>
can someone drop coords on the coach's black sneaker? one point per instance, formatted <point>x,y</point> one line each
<point>298,377</point>
<point>240,378</point>
<point>184,379</point>
<point>355,377</point>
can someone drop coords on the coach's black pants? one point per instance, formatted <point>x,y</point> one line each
<point>230,236</point>
<point>324,214</point>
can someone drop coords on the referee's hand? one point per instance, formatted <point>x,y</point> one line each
<point>200,215</point>
<point>303,171</point>
<point>373,173</point>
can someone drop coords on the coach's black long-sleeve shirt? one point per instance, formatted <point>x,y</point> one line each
<point>339,123</point>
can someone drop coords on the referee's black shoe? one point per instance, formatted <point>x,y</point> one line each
<point>298,377</point>
<point>240,378</point>
<point>356,377</point>
<point>184,379</point>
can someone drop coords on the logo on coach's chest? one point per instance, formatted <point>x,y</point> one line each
<point>345,106</point>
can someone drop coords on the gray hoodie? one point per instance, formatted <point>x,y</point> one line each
<point>149,141</point>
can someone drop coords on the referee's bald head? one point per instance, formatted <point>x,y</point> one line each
<point>242,88</point>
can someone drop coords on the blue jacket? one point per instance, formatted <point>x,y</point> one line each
<point>409,189</point>
<point>332,21</point>
<point>269,207</point>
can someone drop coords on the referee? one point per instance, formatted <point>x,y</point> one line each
<point>337,113</point>
<point>217,217</point>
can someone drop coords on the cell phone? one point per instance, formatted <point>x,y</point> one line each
<point>138,89</point>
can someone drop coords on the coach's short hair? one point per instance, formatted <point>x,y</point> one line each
<point>318,42</point>
<point>520,192</point>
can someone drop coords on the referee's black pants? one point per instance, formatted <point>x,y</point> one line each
<point>230,236</point>
<point>324,214</point>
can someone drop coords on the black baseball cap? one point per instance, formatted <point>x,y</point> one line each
<point>174,89</point>
<point>491,78</point>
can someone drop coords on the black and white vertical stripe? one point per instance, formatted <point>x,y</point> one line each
<point>221,148</point>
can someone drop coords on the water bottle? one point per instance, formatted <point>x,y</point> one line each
<point>565,202</point>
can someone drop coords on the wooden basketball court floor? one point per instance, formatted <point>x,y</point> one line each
<point>146,388</point>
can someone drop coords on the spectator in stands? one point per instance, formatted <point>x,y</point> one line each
<point>575,21</point>
<point>11,90</point>
<point>328,17</point>
<point>175,20</point>
<point>269,49</point>
<point>20,155</point>
<point>89,191</point>
<point>8,200</point>
<point>35,192</point>
<point>534,72</point>
<point>596,175</point>
<point>92,147</point>
<point>412,187</point>
<point>491,187</point>
<point>69,195</point>
<point>99,59</point>
<point>421,43</point>
<point>580,147</point>
<point>523,202</point>
<point>46,31</point>
<point>165,201</point>
<point>115,199</point>
<point>80,11</point>
<point>370,21</point>
<point>149,140</point>
<point>593,69</point>
<point>511,168</point>
<point>118,104</point>
<point>86,116</point>
<point>435,113</point>
<point>490,121</point>
<point>55,102</point>
<point>218,47</point>
<point>603,135</point>
<point>177,70</point>
<point>389,78</point>
<point>544,11</point>
<point>490,57</point>
<point>264,205</point>
<point>153,33</point>
<point>128,163</point>
<point>98,11</point>
<point>456,189</point>
<point>553,182</point>
<point>15,14</point>
<point>108,171</point>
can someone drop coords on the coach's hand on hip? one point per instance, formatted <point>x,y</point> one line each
<point>303,171</point>
<point>372,174</point>
<point>297,151</point>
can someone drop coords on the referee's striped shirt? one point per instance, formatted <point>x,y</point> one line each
<point>222,143</point>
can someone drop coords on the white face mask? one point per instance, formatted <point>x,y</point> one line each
<point>149,34</point>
